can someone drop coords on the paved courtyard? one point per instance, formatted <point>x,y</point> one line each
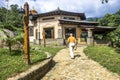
<point>80,68</point>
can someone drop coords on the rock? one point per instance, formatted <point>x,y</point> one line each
<point>48,54</point>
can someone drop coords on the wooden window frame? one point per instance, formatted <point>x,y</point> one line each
<point>49,31</point>
<point>31,31</point>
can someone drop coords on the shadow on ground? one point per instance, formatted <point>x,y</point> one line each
<point>77,56</point>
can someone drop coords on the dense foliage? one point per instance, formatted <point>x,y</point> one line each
<point>114,37</point>
<point>11,21</point>
<point>112,20</point>
<point>106,56</point>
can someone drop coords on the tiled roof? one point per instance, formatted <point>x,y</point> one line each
<point>62,12</point>
<point>81,22</point>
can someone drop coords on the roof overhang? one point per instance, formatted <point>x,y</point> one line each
<point>62,12</point>
<point>104,28</point>
<point>87,24</point>
<point>77,22</point>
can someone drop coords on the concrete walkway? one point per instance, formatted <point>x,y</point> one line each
<point>80,68</point>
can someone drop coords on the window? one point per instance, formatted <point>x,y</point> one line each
<point>31,31</point>
<point>49,32</point>
<point>70,18</point>
<point>49,18</point>
<point>83,36</point>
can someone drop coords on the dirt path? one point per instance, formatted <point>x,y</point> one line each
<point>80,68</point>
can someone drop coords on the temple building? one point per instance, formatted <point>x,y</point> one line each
<point>55,26</point>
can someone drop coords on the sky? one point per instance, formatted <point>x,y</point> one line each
<point>91,8</point>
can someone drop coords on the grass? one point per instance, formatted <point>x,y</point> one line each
<point>13,63</point>
<point>106,56</point>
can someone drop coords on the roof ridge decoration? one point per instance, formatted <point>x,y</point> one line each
<point>33,11</point>
<point>58,8</point>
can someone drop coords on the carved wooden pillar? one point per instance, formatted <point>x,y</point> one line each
<point>26,34</point>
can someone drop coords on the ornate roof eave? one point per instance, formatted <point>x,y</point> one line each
<point>104,28</point>
<point>62,12</point>
<point>77,22</point>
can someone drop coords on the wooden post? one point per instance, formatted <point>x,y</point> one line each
<point>44,39</point>
<point>26,34</point>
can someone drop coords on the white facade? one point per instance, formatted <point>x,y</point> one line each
<point>58,25</point>
<point>42,24</point>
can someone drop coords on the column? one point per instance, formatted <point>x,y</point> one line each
<point>90,37</point>
<point>63,35</point>
<point>78,33</point>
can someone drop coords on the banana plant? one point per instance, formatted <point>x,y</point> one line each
<point>7,37</point>
<point>10,39</point>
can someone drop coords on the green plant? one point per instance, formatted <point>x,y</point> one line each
<point>114,37</point>
<point>106,56</point>
<point>12,64</point>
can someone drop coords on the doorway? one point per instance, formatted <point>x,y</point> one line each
<point>70,30</point>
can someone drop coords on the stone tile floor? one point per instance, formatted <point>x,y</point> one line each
<point>80,68</point>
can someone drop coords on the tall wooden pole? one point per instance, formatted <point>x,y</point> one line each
<point>26,34</point>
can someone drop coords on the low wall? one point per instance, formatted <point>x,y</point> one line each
<point>55,42</point>
<point>101,42</point>
<point>36,72</point>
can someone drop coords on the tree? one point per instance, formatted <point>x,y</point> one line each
<point>13,23</point>
<point>14,20</point>
<point>11,20</point>
<point>110,20</point>
<point>105,20</point>
<point>93,19</point>
<point>118,12</point>
<point>3,14</point>
<point>114,21</point>
<point>114,37</point>
<point>104,1</point>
